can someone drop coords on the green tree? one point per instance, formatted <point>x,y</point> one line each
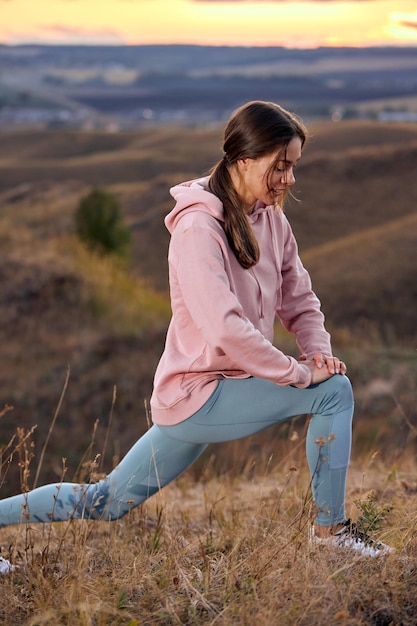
<point>100,225</point>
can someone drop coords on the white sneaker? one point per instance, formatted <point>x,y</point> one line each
<point>354,539</point>
<point>5,566</point>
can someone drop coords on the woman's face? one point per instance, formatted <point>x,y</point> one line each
<point>266,178</point>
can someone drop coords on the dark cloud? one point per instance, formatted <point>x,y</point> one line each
<point>407,24</point>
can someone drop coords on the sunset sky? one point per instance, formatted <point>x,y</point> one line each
<point>210,22</point>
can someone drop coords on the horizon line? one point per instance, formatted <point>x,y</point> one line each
<point>196,45</point>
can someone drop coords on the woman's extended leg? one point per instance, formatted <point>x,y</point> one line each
<point>153,462</point>
<point>237,408</point>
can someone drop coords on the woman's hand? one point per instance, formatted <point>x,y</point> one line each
<point>334,365</point>
<point>318,374</point>
<point>323,366</point>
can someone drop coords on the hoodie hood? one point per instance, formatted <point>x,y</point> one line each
<point>193,195</point>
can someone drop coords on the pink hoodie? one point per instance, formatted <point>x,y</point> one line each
<point>222,314</point>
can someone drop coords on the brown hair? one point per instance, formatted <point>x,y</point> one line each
<point>255,130</point>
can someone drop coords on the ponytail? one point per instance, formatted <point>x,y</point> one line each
<point>237,227</point>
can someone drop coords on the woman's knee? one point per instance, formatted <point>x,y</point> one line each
<point>344,386</point>
<point>339,393</point>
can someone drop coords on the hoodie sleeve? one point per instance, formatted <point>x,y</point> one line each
<point>300,311</point>
<point>218,315</point>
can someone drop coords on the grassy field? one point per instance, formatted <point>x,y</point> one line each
<point>223,550</point>
<point>226,544</point>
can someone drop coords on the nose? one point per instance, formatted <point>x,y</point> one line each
<point>288,177</point>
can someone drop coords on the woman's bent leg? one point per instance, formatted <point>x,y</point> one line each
<point>242,407</point>
<point>328,453</point>
<point>153,462</point>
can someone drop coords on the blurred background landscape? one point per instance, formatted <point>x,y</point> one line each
<point>127,98</point>
<point>134,121</point>
<point>125,87</point>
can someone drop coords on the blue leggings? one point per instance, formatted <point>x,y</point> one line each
<point>237,408</point>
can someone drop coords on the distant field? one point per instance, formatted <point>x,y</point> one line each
<point>306,67</point>
<point>126,86</point>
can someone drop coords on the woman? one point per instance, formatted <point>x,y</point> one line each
<point>233,267</point>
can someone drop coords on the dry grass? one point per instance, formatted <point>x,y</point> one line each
<point>225,550</point>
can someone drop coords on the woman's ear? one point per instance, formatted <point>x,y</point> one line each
<point>242,164</point>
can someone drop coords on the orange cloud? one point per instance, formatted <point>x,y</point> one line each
<point>408,24</point>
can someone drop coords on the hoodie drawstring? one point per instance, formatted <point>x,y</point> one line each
<point>275,255</point>
<point>274,240</point>
<point>261,297</point>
